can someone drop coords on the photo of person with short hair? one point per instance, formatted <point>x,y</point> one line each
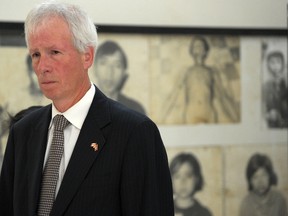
<point>275,92</point>
<point>111,65</point>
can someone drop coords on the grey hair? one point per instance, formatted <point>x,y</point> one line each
<point>83,30</point>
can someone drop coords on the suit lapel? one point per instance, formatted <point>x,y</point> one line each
<point>36,153</point>
<point>83,154</point>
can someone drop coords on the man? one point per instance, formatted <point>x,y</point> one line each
<point>111,72</point>
<point>114,161</point>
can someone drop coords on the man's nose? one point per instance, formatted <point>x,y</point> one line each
<point>43,64</point>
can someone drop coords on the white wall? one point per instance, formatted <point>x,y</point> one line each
<point>187,13</point>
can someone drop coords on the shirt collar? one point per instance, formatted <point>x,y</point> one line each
<point>78,112</point>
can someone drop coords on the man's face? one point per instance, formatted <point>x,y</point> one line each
<point>110,72</point>
<point>60,68</point>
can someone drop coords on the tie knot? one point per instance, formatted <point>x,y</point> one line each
<point>60,122</point>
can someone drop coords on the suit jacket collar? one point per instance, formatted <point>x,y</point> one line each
<point>84,155</point>
<point>36,153</point>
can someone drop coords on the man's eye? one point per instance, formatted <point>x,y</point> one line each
<point>54,52</point>
<point>35,55</point>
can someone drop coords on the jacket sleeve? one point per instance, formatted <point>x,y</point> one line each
<point>146,187</point>
<point>7,179</point>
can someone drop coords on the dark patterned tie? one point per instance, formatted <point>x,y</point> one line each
<point>51,170</point>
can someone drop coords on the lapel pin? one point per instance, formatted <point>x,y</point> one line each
<point>94,146</point>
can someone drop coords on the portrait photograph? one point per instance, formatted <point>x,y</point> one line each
<point>256,179</point>
<point>121,71</point>
<point>275,83</point>
<point>197,183</point>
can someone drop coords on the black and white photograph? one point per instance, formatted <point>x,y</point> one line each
<point>256,180</point>
<point>275,83</point>
<point>111,73</point>
<point>197,79</point>
<point>263,197</point>
<point>197,183</point>
<point>27,92</point>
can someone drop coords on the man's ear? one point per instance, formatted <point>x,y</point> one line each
<point>88,57</point>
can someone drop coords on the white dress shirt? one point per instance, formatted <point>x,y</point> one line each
<point>76,116</point>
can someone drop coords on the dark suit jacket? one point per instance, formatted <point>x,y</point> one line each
<point>132,104</point>
<point>128,175</point>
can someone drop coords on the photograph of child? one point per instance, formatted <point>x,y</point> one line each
<point>275,83</point>
<point>111,65</point>
<point>256,180</point>
<point>187,180</point>
<point>197,188</point>
<point>263,198</point>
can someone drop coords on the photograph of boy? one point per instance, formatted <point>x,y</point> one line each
<point>111,66</point>
<point>275,91</point>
